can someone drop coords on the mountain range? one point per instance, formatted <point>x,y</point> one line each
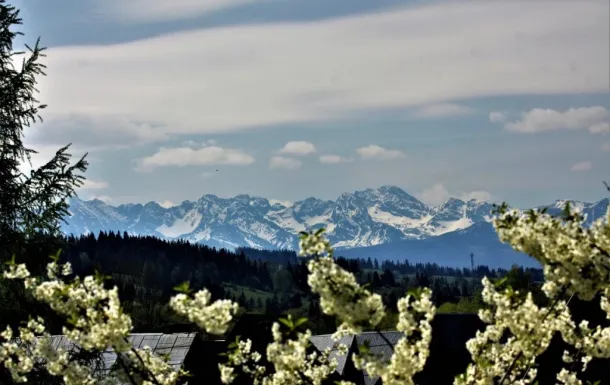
<point>385,223</point>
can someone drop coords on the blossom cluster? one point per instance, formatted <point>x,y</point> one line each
<point>95,323</point>
<point>340,294</point>
<point>292,364</point>
<point>415,314</point>
<point>93,313</point>
<point>211,317</point>
<point>574,257</point>
<point>576,262</point>
<point>243,358</point>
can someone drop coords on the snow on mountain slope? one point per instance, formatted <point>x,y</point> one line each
<point>382,216</point>
<point>180,226</point>
<point>404,224</point>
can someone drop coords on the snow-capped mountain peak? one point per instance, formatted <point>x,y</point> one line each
<point>361,218</point>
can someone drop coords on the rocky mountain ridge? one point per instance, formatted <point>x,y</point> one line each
<point>372,217</point>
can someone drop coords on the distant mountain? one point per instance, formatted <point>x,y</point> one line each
<point>451,249</point>
<point>387,222</point>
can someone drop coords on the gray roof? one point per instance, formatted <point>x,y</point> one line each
<point>380,343</point>
<point>323,342</point>
<point>175,345</point>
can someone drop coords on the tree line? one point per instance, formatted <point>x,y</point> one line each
<point>146,270</point>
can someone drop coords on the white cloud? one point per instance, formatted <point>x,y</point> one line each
<point>541,120</point>
<point>167,204</point>
<point>334,159</point>
<point>376,152</point>
<point>298,148</point>
<point>416,56</point>
<point>606,146</point>
<point>94,131</point>
<point>92,184</point>
<point>581,166</point>
<point>285,163</point>
<point>497,117</point>
<point>434,195</point>
<point>600,128</point>
<point>443,110</point>
<point>149,11</point>
<point>186,156</point>
<point>438,194</point>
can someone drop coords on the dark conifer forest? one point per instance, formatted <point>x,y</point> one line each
<point>147,269</point>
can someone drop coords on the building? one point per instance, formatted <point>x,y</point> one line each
<point>176,346</point>
<point>200,353</point>
<point>380,344</point>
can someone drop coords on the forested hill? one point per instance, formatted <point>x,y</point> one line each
<point>283,256</point>
<point>147,269</point>
<point>127,254</point>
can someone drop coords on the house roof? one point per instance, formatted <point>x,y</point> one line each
<point>380,343</point>
<point>175,345</point>
<point>323,342</point>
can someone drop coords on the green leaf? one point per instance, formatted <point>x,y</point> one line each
<point>300,322</point>
<point>186,373</point>
<point>287,322</point>
<point>99,277</point>
<point>184,287</point>
<point>73,319</point>
<point>55,257</point>
<point>500,282</point>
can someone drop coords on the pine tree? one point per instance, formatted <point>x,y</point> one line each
<point>31,206</point>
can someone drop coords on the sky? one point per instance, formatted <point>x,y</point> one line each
<point>286,99</point>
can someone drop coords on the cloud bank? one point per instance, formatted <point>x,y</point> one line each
<point>536,120</point>
<point>187,156</point>
<point>298,148</point>
<point>247,76</point>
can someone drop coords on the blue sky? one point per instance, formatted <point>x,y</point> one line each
<point>503,100</point>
